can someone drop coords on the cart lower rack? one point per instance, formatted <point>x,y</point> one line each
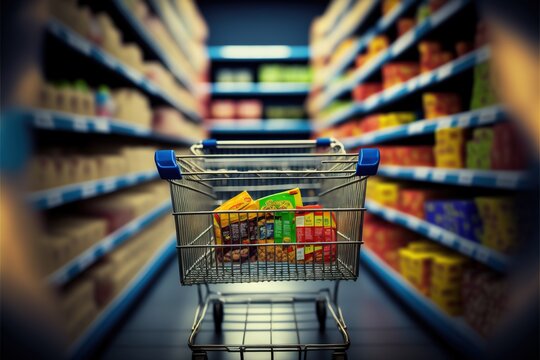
<point>275,238</point>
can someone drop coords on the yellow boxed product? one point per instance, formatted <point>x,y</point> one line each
<point>395,119</point>
<point>386,193</point>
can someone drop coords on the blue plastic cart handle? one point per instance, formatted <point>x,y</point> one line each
<point>368,162</point>
<point>166,165</point>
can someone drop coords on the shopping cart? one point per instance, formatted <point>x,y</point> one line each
<point>214,172</point>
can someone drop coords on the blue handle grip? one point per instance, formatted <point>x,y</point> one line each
<point>324,142</point>
<point>368,162</point>
<point>209,143</point>
<point>166,164</point>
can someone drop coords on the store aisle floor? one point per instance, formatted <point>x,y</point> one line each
<point>380,328</point>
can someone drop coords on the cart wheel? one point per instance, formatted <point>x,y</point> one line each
<point>339,355</point>
<point>218,314</point>
<point>321,313</point>
<point>200,355</point>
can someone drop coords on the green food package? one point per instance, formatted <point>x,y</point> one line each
<point>284,223</point>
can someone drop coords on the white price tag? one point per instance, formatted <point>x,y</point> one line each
<point>403,42</point>
<point>434,232</point>
<point>416,127</point>
<point>444,123</point>
<point>465,177</point>
<point>89,190</point>
<point>108,60</point>
<point>389,170</point>
<point>131,179</point>
<point>421,173</point>
<point>445,71</point>
<point>80,44</point>
<point>133,227</point>
<point>411,84</point>
<point>54,199</point>
<point>390,215</point>
<point>447,238</point>
<point>464,121</point>
<point>466,248</point>
<point>507,181</point>
<point>367,138</point>
<point>85,261</point>
<point>132,74</point>
<point>44,120</point>
<point>80,124</point>
<point>371,101</point>
<point>413,223</point>
<point>102,126</point>
<point>438,175</point>
<point>109,185</point>
<point>390,93</point>
<point>486,116</point>
<point>425,79</point>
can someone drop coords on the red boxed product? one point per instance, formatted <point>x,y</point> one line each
<point>507,152</point>
<point>369,123</point>
<point>249,109</point>
<point>223,109</point>
<point>398,72</point>
<point>363,91</point>
<point>411,201</point>
<point>404,25</point>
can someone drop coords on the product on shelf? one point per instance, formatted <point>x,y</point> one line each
<point>223,109</point>
<point>498,215</point>
<point>407,155</point>
<point>249,109</point>
<point>389,5</point>
<point>376,45</point>
<point>449,148</point>
<point>284,112</point>
<point>483,94</point>
<point>432,55</point>
<point>394,73</point>
<point>479,149</point>
<point>460,217</point>
<point>411,201</point>
<point>132,106</point>
<point>365,90</point>
<point>395,119</point>
<point>284,73</point>
<point>170,122</point>
<point>440,104</point>
<point>508,151</point>
<point>226,75</point>
<point>383,192</point>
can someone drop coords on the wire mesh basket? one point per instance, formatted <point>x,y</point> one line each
<point>237,246</point>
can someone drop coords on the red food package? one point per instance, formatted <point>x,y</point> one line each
<point>363,91</point>
<point>369,123</point>
<point>463,47</point>
<point>223,109</point>
<point>249,109</point>
<point>399,72</point>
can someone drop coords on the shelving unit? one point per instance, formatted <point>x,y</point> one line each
<point>51,198</point>
<point>270,126</point>
<point>232,53</point>
<point>382,25</point>
<point>473,250</point>
<point>452,329</point>
<point>466,119</point>
<point>257,89</point>
<point>397,48</point>
<point>104,246</point>
<point>415,84</point>
<point>77,42</point>
<point>116,309</point>
<point>180,75</point>
<point>511,180</point>
<point>62,121</point>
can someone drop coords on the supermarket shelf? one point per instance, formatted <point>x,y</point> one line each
<point>258,53</point>
<point>382,25</point>
<point>411,86</point>
<point>62,121</point>
<point>453,329</point>
<point>346,26</point>
<point>252,89</point>
<point>76,266</point>
<point>50,198</point>
<point>463,177</point>
<point>484,116</point>
<point>489,257</point>
<point>94,52</point>
<point>280,126</point>
<point>181,76</point>
<point>109,317</point>
<point>397,48</point>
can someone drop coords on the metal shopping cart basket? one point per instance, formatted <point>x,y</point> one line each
<point>216,171</point>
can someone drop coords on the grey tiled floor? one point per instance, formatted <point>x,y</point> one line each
<point>380,328</point>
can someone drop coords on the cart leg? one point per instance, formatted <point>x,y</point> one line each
<point>217,308</point>
<point>339,355</point>
<point>336,290</point>
<point>199,355</point>
<point>320,307</point>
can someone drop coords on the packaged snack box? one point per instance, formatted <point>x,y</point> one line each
<point>228,228</point>
<point>314,225</point>
<point>277,227</point>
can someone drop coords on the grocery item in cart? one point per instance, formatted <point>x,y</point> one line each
<point>314,225</point>
<point>229,228</point>
<point>277,227</point>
